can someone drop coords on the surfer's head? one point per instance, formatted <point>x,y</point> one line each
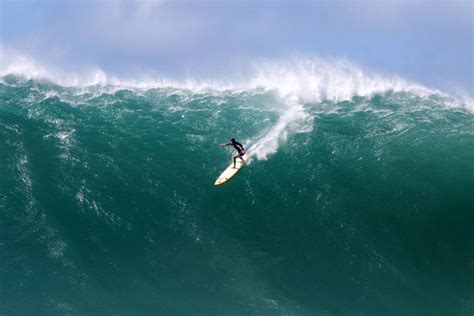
<point>232,140</point>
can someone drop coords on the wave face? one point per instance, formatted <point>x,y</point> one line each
<point>358,200</point>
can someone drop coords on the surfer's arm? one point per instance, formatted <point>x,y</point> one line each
<point>222,145</point>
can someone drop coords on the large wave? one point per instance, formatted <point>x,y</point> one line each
<point>357,201</point>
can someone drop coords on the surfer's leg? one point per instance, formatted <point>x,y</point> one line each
<point>241,157</point>
<point>234,159</point>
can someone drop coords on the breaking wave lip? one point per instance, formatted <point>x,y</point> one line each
<point>311,79</point>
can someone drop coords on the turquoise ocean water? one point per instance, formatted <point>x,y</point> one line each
<point>355,203</point>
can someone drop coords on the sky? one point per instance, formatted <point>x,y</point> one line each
<point>430,42</point>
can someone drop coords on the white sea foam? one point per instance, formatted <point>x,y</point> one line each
<point>13,62</point>
<point>311,79</point>
<point>323,79</point>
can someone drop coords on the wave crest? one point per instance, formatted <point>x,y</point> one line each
<point>311,79</point>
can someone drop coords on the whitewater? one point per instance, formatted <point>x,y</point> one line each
<point>357,201</point>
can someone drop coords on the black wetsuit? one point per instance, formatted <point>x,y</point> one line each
<point>240,149</point>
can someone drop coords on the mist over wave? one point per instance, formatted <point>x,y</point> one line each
<point>356,202</point>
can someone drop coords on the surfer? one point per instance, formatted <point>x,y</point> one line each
<point>240,149</point>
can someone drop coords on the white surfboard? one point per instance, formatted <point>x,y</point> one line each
<point>231,171</point>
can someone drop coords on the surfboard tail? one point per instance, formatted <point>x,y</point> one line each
<point>231,171</point>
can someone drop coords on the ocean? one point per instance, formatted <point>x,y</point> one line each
<point>358,199</point>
